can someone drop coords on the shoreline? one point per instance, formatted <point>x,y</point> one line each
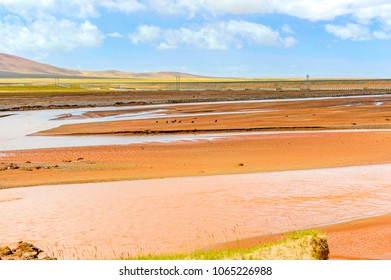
<point>242,154</point>
<point>24,101</point>
<point>222,131</point>
<point>362,238</point>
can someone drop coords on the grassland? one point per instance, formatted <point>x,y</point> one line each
<point>75,84</point>
<point>39,93</point>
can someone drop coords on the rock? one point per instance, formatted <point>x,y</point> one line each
<point>5,251</point>
<point>47,258</point>
<point>26,250</point>
<point>23,251</point>
<point>30,255</point>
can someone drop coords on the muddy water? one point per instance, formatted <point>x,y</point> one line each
<point>20,124</point>
<point>105,220</point>
<point>15,127</point>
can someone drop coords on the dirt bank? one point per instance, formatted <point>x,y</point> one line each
<point>241,154</point>
<point>367,238</point>
<point>17,101</point>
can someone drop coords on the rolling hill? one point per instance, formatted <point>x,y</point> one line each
<point>17,67</point>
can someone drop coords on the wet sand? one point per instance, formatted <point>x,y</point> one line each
<point>241,154</point>
<point>337,113</point>
<point>366,238</point>
<point>361,239</point>
<point>104,220</point>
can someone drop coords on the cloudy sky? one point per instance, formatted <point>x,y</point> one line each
<point>242,38</point>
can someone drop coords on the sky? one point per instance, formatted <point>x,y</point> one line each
<point>224,38</point>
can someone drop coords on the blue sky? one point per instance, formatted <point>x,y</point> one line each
<point>247,38</point>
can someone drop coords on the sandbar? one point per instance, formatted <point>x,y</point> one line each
<point>231,155</point>
<point>338,113</point>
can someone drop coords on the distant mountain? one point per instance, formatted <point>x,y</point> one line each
<point>17,67</point>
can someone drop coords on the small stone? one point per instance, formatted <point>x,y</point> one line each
<point>26,251</point>
<point>47,258</point>
<point>5,251</point>
<point>30,255</point>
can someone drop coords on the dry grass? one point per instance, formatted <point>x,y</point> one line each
<point>169,82</point>
<point>302,245</point>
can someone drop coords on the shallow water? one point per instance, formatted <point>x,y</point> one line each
<point>15,128</point>
<point>104,220</point>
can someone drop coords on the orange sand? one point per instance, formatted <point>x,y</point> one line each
<point>361,239</point>
<point>244,154</point>
<point>368,238</point>
<point>310,114</point>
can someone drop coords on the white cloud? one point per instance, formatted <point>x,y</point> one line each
<point>48,34</point>
<point>357,32</point>
<point>363,11</point>
<point>145,33</point>
<point>218,36</point>
<point>70,15</point>
<point>126,6</point>
<point>351,31</point>
<point>69,8</point>
<point>382,35</point>
<point>55,25</point>
<point>114,35</point>
<point>287,29</point>
<point>307,9</point>
<point>182,7</point>
<point>379,11</point>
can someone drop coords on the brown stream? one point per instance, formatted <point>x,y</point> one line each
<point>105,220</point>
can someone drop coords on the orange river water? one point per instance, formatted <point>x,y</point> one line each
<point>107,220</point>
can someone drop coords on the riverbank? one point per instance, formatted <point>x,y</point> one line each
<point>42,100</point>
<point>358,239</point>
<point>241,154</point>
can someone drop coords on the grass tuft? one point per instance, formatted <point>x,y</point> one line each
<point>307,244</point>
